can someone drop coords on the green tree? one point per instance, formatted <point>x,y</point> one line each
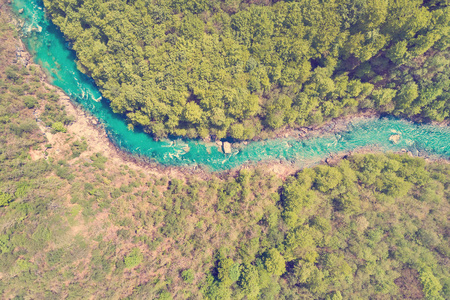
<point>5,245</point>
<point>193,113</point>
<point>327,178</point>
<point>431,285</point>
<point>383,96</point>
<point>249,281</point>
<point>406,95</point>
<point>274,262</point>
<point>398,53</point>
<point>334,296</point>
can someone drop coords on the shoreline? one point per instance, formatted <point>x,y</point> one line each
<point>81,115</point>
<point>288,167</point>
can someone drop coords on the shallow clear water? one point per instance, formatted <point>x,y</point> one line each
<point>50,50</point>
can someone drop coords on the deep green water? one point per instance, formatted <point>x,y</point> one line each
<point>50,50</point>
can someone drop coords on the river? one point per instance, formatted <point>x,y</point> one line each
<point>49,49</point>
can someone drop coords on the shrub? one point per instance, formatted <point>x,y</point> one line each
<point>55,256</point>
<point>11,73</point>
<point>5,199</point>
<point>99,161</point>
<point>134,258</point>
<point>165,295</point>
<point>78,147</point>
<point>30,101</point>
<point>59,127</point>
<point>188,276</point>
<point>25,127</point>
<point>5,246</point>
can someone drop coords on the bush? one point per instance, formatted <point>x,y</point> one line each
<point>5,246</point>
<point>59,127</point>
<point>78,147</point>
<point>55,256</point>
<point>64,173</point>
<point>165,295</point>
<point>30,101</point>
<point>5,199</point>
<point>25,127</point>
<point>99,161</point>
<point>134,258</point>
<point>188,276</point>
<point>11,73</point>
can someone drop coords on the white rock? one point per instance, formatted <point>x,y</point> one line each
<point>226,147</point>
<point>395,138</point>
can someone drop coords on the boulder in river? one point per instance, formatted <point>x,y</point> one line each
<point>36,29</point>
<point>226,147</point>
<point>20,10</point>
<point>395,138</point>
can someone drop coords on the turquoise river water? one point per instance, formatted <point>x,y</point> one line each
<point>50,50</point>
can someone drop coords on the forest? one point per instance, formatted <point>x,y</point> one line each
<point>73,225</point>
<point>76,224</point>
<point>232,68</point>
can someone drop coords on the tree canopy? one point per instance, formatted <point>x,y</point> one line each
<point>200,68</point>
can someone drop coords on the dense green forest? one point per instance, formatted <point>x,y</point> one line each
<point>74,226</point>
<point>351,231</point>
<point>233,68</point>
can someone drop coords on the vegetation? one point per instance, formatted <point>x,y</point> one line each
<point>74,226</point>
<point>235,67</point>
<point>352,230</point>
<point>134,258</point>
